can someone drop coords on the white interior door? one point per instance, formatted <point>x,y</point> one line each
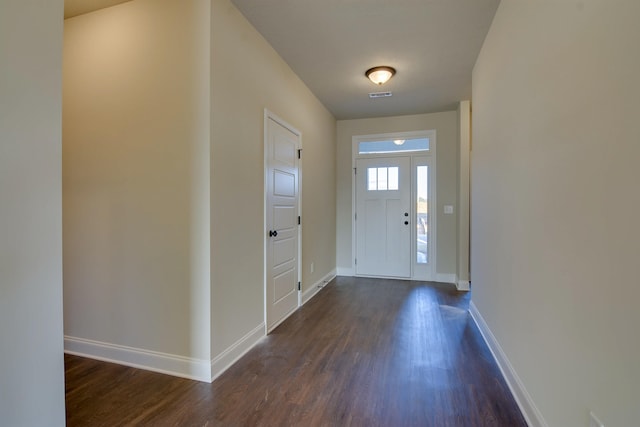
<point>282,193</point>
<point>383,217</point>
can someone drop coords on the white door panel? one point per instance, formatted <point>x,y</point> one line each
<point>282,251</point>
<point>284,184</point>
<point>383,219</point>
<point>282,285</point>
<point>282,188</point>
<point>284,216</point>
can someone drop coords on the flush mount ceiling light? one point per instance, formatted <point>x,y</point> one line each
<point>398,141</point>
<point>380,75</point>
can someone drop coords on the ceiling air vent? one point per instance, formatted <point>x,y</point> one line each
<point>379,94</point>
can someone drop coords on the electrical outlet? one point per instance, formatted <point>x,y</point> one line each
<point>313,267</point>
<point>594,421</point>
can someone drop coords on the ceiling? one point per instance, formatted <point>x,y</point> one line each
<point>329,44</point>
<point>78,7</point>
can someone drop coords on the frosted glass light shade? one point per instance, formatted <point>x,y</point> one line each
<point>380,75</point>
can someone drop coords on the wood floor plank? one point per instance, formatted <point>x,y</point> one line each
<point>363,352</point>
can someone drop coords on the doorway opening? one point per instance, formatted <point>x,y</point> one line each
<point>394,226</point>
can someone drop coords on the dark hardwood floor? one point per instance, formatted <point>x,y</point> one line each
<point>363,352</point>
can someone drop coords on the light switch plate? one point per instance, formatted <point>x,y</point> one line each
<point>448,209</point>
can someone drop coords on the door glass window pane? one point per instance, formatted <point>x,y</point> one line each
<point>393,178</point>
<point>422,210</point>
<point>372,178</point>
<point>382,178</point>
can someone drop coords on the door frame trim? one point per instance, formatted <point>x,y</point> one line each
<point>269,115</point>
<point>432,152</point>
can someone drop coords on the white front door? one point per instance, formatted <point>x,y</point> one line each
<point>383,217</point>
<point>282,193</point>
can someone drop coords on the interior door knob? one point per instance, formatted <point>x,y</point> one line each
<point>273,233</point>
<point>406,223</point>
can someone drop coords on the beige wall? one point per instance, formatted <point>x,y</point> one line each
<point>248,76</point>
<point>31,359</point>
<point>446,127</point>
<point>163,176</point>
<point>136,176</point>
<point>555,235</point>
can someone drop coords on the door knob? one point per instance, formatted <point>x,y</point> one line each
<point>273,233</point>
<point>406,223</point>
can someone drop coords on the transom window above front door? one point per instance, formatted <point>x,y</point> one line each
<point>386,146</point>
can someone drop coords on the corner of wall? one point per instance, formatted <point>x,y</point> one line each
<point>170,364</point>
<point>234,352</point>
<point>524,400</point>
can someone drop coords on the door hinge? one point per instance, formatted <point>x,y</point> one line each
<point>299,286</point>
<point>298,219</point>
<point>355,261</point>
<point>300,153</point>
<point>355,217</point>
<point>355,171</point>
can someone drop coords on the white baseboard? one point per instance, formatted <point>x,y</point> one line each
<point>342,271</point>
<point>446,278</point>
<point>463,285</point>
<point>528,408</point>
<point>224,360</point>
<point>170,364</point>
<point>316,287</point>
